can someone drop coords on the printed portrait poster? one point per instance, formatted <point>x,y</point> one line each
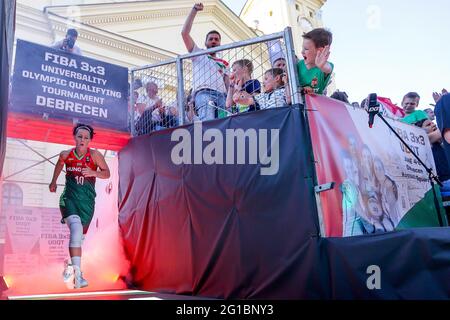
<point>379,185</point>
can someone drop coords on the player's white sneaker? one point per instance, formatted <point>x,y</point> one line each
<point>79,281</point>
<point>68,274</point>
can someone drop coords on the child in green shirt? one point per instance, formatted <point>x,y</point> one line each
<point>409,104</point>
<point>314,70</point>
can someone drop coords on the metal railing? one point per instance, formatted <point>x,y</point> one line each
<point>179,90</point>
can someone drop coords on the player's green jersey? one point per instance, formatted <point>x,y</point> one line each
<point>79,194</point>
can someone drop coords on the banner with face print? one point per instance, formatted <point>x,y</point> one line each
<point>379,185</point>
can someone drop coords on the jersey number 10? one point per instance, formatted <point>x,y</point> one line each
<point>80,180</point>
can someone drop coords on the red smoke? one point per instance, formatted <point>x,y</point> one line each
<point>103,261</point>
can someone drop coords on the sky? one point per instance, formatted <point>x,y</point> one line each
<point>235,5</point>
<point>387,47</point>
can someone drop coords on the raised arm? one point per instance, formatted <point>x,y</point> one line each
<point>186,32</point>
<point>437,96</point>
<point>322,60</point>
<point>58,168</point>
<point>190,112</point>
<point>230,102</point>
<point>231,91</point>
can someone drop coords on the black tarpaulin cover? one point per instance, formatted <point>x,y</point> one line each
<point>414,264</point>
<point>227,231</point>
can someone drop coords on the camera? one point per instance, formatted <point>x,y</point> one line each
<point>70,42</point>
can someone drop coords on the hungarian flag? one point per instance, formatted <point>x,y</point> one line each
<point>223,64</point>
<point>391,109</point>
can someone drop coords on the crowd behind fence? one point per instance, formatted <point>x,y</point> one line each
<point>167,94</point>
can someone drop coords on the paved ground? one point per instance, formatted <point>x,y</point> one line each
<point>106,295</point>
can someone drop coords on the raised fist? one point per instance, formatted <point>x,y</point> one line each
<point>198,6</point>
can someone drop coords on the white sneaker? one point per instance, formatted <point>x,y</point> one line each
<point>79,282</point>
<point>68,274</point>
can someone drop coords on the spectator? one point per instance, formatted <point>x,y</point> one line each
<point>145,106</point>
<point>241,80</point>
<point>164,117</point>
<point>356,105</point>
<point>363,104</point>
<point>210,79</point>
<point>280,63</point>
<point>314,70</point>
<point>150,101</point>
<point>341,96</point>
<point>275,94</point>
<point>68,43</point>
<point>430,113</point>
<point>440,158</point>
<point>409,104</point>
<point>138,91</point>
<point>139,87</point>
<point>137,83</point>
<point>442,111</point>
